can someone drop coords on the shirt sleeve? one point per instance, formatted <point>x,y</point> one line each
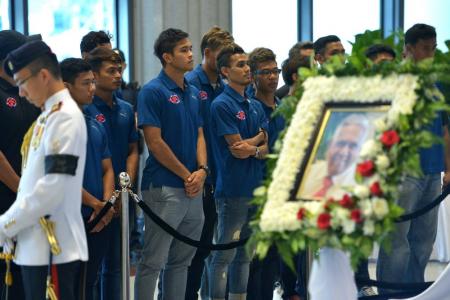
<point>133,134</point>
<point>223,120</point>
<point>62,138</point>
<point>263,121</point>
<point>149,108</point>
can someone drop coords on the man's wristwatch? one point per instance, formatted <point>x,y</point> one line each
<point>205,168</point>
<point>257,153</point>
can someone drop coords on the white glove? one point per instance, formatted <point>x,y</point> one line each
<point>8,246</point>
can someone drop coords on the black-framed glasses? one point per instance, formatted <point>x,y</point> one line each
<point>22,82</point>
<point>267,72</point>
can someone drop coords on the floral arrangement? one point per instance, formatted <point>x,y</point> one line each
<point>365,214</point>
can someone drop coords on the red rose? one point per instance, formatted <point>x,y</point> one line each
<point>375,189</point>
<point>389,138</point>
<point>346,201</point>
<point>301,213</point>
<point>323,221</point>
<point>366,168</point>
<point>355,215</point>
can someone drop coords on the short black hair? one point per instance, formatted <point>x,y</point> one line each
<point>99,55</point>
<point>372,52</point>
<point>93,39</point>
<point>224,56</point>
<point>167,41</point>
<point>300,46</point>
<point>48,62</point>
<point>121,54</point>
<point>321,43</point>
<point>260,55</point>
<point>72,67</point>
<point>291,65</point>
<point>419,32</point>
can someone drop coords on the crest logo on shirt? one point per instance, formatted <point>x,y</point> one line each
<point>174,99</point>
<point>11,102</point>
<point>203,95</point>
<point>101,118</point>
<point>240,115</point>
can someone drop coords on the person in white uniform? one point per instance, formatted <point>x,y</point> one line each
<point>54,153</point>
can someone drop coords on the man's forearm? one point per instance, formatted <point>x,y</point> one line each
<point>257,139</point>
<point>88,199</point>
<point>202,158</point>
<point>132,161</point>
<point>108,180</point>
<point>7,174</point>
<point>167,158</point>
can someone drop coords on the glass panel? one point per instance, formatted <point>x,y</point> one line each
<point>63,23</point>
<point>432,12</point>
<point>345,18</point>
<point>4,15</point>
<point>265,23</point>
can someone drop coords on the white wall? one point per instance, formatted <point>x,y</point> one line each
<point>153,16</point>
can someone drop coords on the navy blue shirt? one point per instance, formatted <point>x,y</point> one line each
<point>274,124</point>
<point>119,123</point>
<point>432,159</point>
<point>235,114</point>
<point>207,93</point>
<point>96,151</point>
<point>163,104</point>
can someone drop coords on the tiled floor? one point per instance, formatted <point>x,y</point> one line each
<point>433,270</point>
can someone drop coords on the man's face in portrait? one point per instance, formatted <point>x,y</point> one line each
<point>344,148</point>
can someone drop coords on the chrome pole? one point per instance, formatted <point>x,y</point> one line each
<point>124,181</point>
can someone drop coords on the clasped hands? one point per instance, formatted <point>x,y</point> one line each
<point>242,149</point>
<point>193,184</point>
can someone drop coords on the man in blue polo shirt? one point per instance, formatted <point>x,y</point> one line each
<point>98,172</point>
<point>207,80</point>
<point>118,119</point>
<point>240,144</point>
<point>265,74</point>
<point>412,241</point>
<point>172,183</point>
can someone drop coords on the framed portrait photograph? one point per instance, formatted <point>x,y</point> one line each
<point>329,170</point>
<point>334,120</point>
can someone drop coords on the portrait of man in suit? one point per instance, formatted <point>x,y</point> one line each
<point>331,167</point>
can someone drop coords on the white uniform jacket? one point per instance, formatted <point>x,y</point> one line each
<point>51,185</point>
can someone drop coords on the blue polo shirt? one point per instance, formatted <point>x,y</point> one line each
<point>96,151</point>
<point>162,104</point>
<point>235,114</point>
<point>274,124</point>
<point>119,124</point>
<point>207,93</point>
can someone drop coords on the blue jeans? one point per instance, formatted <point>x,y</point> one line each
<point>160,250</point>
<point>412,241</point>
<point>110,274</point>
<point>232,224</point>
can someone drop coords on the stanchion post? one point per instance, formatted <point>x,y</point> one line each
<point>124,181</point>
<point>309,262</point>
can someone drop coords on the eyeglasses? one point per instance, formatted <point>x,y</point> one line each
<point>267,72</point>
<point>22,82</point>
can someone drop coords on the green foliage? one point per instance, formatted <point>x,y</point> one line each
<point>404,156</point>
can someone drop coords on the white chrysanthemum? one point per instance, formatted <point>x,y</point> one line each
<point>380,124</point>
<point>348,226</point>
<point>369,227</point>
<point>380,207</point>
<point>382,162</point>
<point>366,208</point>
<point>370,148</point>
<point>361,191</point>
